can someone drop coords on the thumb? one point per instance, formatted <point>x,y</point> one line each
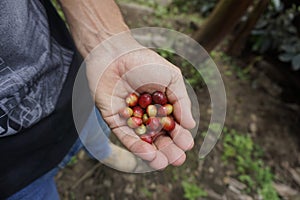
<point>178,96</point>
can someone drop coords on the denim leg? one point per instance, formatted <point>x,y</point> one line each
<point>44,188</point>
<point>95,135</point>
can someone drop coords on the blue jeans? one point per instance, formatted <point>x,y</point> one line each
<point>44,188</point>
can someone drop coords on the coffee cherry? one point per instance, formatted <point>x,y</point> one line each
<point>151,110</point>
<point>145,100</point>
<point>169,108</point>
<point>164,110</point>
<point>134,122</point>
<point>126,112</point>
<point>153,123</point>
<point>145,118</point>
<point>159,98</point>
<point>167,123</point>
<point>131,100</point>
<point>150,116</point>
<point>146,138</point>
<point>137,111</point>
<point>140,130</point>
<point>161,110</point>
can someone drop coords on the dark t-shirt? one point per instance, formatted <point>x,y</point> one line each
<point>38,65</point>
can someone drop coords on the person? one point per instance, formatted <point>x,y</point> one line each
<point>38,65</point>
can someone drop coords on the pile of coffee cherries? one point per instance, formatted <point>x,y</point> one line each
<point>149,115</point>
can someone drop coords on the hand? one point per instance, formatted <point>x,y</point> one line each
<point>145,71</point>
<point>93,22</point>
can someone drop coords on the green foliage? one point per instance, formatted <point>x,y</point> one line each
<point>215,127</point>
<point>275,32</point>
<point>204,7</point>
<point>72,161</point>
<point>240,72</point>
<point>236,145</point>
<point>192,76</point>
<point>250,168</point>
<point>192,191</point>
<point>146,192</point>
<point>166,54</point>
<point>268,192</point>
<point>150,3</point>
<point>58,9</point>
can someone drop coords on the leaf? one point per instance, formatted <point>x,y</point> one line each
<point>296,62</point>
<point>276,4</point>
<point>288,48</point>
<point>286,57</point>
<point>266,44</point>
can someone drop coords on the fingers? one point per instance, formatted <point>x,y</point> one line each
<point>173,154</point>
<point>182,138</point>
<point>159,157</point>
<point>178,96</point>
<point>159,162</point>
<point>166,150</point>
<point>134,144</point>
<point>174,148</point>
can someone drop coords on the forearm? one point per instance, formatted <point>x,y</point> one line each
<point>92,21</point>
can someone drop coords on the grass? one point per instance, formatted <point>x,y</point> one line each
<point>250,169</point>
<point>58,9</point>
<point>192,191</point>
<point>146,192</point>
<point>163,15</point>
<point>72,161</point>
<point>241,73</point>
<point>185,177</point>
<point>192,76</point>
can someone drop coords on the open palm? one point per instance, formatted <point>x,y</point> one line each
<point>145,71</point>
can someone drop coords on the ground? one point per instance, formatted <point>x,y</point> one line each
<point>255,106</point>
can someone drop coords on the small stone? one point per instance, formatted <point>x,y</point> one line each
<point>235,183</point>
<point>229,173</point>
<point>152,186</point>
<point>245,197</point>
<point>59,175</point>
<point>107,183</point>
<point>211,170</point>
<point>112,196</point>
<point>226,180</point>
<point>82,155</point>
<point>284,190</point>
<point>253,117</point>
<point>234,189</point>
<point>209,111</point>
<point>253,127</point>
<point>87,198</point>
<point>128,189</point>
<point>130,178</point>
<point>214,195</point>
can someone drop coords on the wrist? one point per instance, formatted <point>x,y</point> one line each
<point>92,23</point>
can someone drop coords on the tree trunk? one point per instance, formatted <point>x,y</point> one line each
<point>224,17</point>
<point>238,43</point>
